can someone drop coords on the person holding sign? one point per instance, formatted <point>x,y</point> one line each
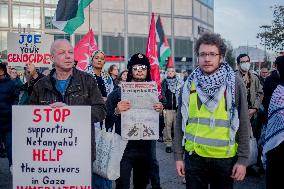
<point>66,85</point>
<point>138,153</point>
<point>212,126</point>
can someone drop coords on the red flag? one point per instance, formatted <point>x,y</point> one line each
<point>170,63</point>
<point>84,49</point>
<point>152,54</point>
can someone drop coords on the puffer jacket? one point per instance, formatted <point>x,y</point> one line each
<point>82,90</point>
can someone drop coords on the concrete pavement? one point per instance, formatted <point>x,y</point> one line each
<point>169,178</point>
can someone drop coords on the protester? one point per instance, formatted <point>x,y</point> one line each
<point>212,113</point>
<point>138,153</point>
<point>271,83</point>
<point>103,79</point>
<point>15,77</point>
<point>123,76</point>
<point>32,76</point>
<point>186,73</point>
<point>8,97</point>
<point>67,85</point>
<point>171,86</point>
<point>273,149</point>
<point>264,73</point>
<point>113,72</point>
<point>254,97</point>
<point>9,68</point>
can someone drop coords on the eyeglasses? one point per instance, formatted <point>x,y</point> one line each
<point>139,67</point>
<point>210,55</point>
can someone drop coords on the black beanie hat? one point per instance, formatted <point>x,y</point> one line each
<point>138,58</point>
<point>141,59</point>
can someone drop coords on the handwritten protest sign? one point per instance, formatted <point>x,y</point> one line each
<point>51,147</point>
<point>29,48</point>
<point>141,122</point>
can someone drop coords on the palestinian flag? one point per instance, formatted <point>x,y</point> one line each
<point>69,14</point>
<point>164,51</point>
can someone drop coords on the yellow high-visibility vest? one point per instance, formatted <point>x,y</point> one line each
<point>206,133</point>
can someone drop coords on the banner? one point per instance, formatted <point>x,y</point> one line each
<point>29,48</point>
<point>84,49</point>
<point>141,121</point>
<point>69,14</point>
<point>164,50</point>
<point>51,147</point>
<point>152,54</point>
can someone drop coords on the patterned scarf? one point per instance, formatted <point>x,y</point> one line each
<point>105,76</point>
<point>274,131</point>
<point>174,85</point>
<point>210,89</point>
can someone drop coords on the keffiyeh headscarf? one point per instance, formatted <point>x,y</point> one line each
<point>174,85</point>
<point>210,89</point>
<point>106,77</point>
<point>274,133</point>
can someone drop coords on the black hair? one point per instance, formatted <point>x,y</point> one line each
<point>241,56</point>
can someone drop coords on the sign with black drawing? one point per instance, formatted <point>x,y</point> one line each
<point>141,122</point>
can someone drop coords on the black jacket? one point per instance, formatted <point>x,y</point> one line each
<point>113,98</point>
<point>82,90</point>
<point>8,97</point>
<point>269,86</point>
<point>169,99</point>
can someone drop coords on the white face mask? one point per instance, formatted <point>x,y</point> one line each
<point>245,66</point>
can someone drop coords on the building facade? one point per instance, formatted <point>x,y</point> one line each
<point>121,26</point>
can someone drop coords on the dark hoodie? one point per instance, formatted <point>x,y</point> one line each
<point>269,86</point>
<point>8,97</point>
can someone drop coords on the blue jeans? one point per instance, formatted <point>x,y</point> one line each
<point>201,171</point>
<point>99,182</point>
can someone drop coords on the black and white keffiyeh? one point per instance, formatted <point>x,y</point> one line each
<point>174,85</point>
<point>210,89</point>
<point>274,133</point>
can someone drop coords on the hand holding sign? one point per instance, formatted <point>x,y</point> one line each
<point>158,107</point>
<point>123,106</point>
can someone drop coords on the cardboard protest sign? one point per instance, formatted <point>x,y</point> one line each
<point>51,147</point>
<point>141,122</point>
<point>29,48</point>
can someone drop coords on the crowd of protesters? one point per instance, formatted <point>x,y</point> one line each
<point>207,115</point>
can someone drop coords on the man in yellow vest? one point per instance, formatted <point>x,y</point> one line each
<point>212,128</point>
